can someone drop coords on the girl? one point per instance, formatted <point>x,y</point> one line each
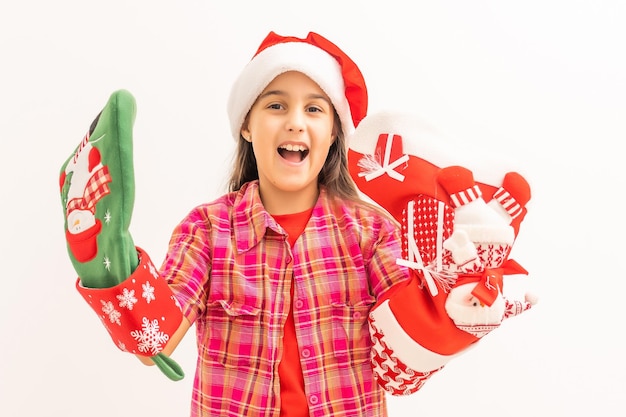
<point>288,277</point>
<point>279,275</point>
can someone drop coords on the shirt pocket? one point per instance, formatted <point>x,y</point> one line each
<point>234,333</point>
<point>351,336</point>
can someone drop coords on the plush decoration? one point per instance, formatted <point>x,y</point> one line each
<point>457,234</point>
<point>118,280</point>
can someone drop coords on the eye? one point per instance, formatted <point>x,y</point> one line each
<point>314,109</point>
<point>275,106</point>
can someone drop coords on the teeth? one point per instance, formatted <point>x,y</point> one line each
<point>292,148</point>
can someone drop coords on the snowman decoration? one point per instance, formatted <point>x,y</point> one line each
<point>87,181</point>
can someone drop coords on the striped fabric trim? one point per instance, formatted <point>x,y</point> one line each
<point>465,196</point>
<point>508,202</point>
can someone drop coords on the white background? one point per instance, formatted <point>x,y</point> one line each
<point>542,83</point>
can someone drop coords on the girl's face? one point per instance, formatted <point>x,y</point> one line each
<point>291,128</point>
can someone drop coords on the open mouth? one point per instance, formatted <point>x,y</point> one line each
<point>293,153</point>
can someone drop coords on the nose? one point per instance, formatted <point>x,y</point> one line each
<point>295,121</point>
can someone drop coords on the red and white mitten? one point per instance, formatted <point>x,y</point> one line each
<point>510,199</point>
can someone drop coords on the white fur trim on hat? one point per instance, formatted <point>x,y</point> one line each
<point>310,60</point>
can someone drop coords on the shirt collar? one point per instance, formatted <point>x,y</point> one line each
<point>251,221</point>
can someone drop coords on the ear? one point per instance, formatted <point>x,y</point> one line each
<point>336,129</point>
<point>245,133</point>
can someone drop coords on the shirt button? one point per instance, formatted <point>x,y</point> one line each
<point>299,304</point>
<point>356,315</point>
<point>313,399</point>
<point>306,353</point>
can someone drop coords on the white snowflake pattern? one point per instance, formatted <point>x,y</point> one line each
<point>127,298</point>
<point>107,217</point>
<point>150,338</point>
<point>109,309</point>
<point>153,270</point>
<point>148,292</point>
<point>107,263</point>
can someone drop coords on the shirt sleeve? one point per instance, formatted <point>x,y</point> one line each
<point>187,264</point>
<point>386,249</point>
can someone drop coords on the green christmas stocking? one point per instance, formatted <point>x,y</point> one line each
<point>117,279</point>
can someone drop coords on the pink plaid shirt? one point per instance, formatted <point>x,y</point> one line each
<point>230,266</point>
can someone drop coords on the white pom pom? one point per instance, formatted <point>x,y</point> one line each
<point>531,298</point>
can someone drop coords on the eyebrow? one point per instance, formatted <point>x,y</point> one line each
<point>282,93</point>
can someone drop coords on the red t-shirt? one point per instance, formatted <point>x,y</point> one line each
<point>293,399</point>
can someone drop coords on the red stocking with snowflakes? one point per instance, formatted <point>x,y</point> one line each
<point>457,235</point>
<point>117,279</point>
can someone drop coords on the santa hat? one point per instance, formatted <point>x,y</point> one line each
<point>318,58</point>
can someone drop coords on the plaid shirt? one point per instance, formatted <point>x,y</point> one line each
<point>230,266</point>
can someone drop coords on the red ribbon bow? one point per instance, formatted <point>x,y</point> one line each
<point>492,281</point>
